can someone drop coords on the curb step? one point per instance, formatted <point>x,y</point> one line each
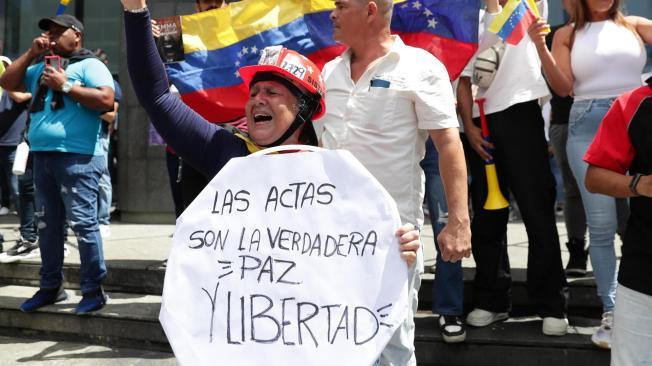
<point>582,294</point>
<point>517,341</point>
<point>129,276</point>
<point>131,320</point>
<point>128,320</point>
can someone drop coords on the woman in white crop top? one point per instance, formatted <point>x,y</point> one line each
<point>595,58</point>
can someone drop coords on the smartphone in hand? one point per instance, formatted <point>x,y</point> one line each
<point>54,61</point>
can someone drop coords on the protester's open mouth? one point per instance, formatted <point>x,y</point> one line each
<point>262,117</point>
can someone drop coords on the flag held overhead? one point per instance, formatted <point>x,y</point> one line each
<point>63,4</point>
<point>512,23</point>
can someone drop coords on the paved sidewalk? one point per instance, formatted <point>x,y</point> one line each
<point>24,351</point>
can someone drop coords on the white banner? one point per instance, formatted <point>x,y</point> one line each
<point>287,259</point>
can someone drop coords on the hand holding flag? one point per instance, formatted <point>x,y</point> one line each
<point>513,22</point>
<point>63,4</point>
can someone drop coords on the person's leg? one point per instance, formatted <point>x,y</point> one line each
<point>574,216</point>
<point>5,190</point>
<point>50,215</point>
<point>105,188</point>
<point>79,190</point>
<point>522,152</point>
<point>400,349</point>
<point>192,183</point>
<point>27,206</point>
<point>9,155</point>
<point>172,162</point>
<point>448,287</point>
<point>492,283</point>
<point>632,336</point>
<point>600,209</point>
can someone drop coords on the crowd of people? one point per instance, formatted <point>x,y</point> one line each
<point>395,109</point>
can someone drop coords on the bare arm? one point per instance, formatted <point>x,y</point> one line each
<point>643,26</point>
<point>455,239</point>
<point>99,99</point>
<point>13,78</point>
<point>20,97</point>
<point>556,64</point>
<point>465,108</point>
<point>109,117</point>
<point>608,182</point>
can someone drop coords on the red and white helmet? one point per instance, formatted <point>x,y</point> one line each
<point>292,66</point>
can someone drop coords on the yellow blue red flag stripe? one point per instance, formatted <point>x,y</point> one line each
<point>514,20</point>
<point>218,42</point>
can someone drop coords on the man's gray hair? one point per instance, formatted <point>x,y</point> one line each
<point>384,7</point>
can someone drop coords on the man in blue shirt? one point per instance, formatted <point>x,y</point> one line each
<point>70,94</point>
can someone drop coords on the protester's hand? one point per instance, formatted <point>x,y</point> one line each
<point>54,78</point>
<point>41,44</point>
<point>538,31</point>
<point>409,241</point>
<point>455,241</point>
<point>477,142</point>
<point>133,4</point>
<point>492,6</point>
<point>156,30</point>
<point>644,186</point>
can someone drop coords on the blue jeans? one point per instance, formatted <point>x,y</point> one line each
<point>7,156</point>
<point>67,187</point>
<point>106,190</point>
<point>27,205</point>
<point>448,288</point>
<point>585,118</point>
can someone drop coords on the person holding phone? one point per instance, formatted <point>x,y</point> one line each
<point>71,89</point>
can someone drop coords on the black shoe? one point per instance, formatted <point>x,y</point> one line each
<point>44,297</point>
<point>91,301</point>
<point>452,329</point>
<point>576,266</point>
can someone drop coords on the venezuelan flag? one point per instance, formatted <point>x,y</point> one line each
<point>218,42</point>
<point>446,28</point>
<point>512,23</point>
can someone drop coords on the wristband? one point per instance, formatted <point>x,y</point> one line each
<point>135,11</point>
<point>634,182</point>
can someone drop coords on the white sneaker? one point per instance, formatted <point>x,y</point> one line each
<point>22,250</point>
<point>554,326</point>
<point>4,211</point>
<point>105,231</point>
<point>602,336</point>
<point>482,318</point>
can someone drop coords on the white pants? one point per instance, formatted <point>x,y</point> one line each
<point>631,343</point>
<point>400,350</point>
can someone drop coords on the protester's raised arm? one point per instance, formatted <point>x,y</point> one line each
<point>13,78</point>
<point>189,134</point>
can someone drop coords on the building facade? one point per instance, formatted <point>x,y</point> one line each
<point>142,184</point>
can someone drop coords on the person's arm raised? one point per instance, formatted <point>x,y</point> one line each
<point>188,133</point>
<point>13,78</point>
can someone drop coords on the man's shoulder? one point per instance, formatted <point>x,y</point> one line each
<point>420,61</point>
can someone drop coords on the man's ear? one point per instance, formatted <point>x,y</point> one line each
<point>372,9</point>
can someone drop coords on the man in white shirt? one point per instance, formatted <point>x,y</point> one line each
<point>383,99</point>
